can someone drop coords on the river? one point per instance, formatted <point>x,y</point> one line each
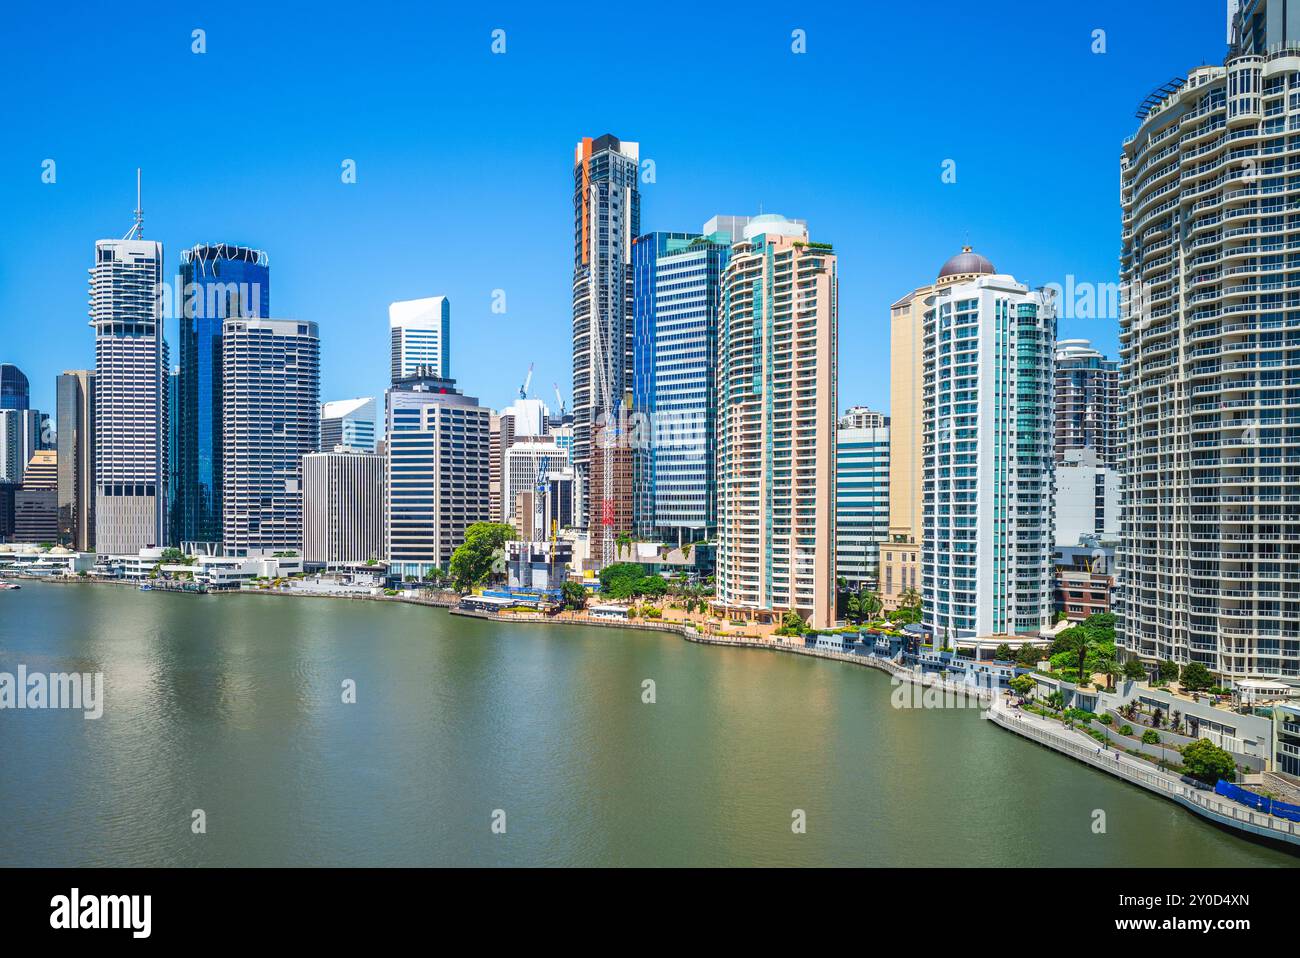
<point>233,705</point>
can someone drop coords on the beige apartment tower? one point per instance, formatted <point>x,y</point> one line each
<point>900,553</point>
<point>777,399</point>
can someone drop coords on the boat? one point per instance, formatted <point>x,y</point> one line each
<point>146,588</point>
<point>10,585</point>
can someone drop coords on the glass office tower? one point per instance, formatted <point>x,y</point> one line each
<point>14,391</point>
<point>219,281</point>
<point>677,291</point>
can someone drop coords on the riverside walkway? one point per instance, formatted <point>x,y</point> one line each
<point>1086,749</point>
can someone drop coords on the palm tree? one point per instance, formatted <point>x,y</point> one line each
<point>1110,667</point>
<point>872,604</point>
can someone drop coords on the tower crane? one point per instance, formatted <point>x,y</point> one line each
<point>523,390</point>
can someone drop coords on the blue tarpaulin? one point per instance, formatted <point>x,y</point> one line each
<point>1261,803</point>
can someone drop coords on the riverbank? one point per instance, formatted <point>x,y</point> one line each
<point>1207,804</point>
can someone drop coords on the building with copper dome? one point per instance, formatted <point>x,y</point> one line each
<point>899,581</point>
<point>971,453</point>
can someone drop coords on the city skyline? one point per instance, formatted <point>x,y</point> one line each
<point>284,201</point>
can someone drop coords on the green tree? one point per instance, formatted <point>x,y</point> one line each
<point>1135,670</point>
<point>1022,685</point>
<point>1107,665</point>
<point>792,623</point>
<point>853,608</point>
<point>574,594</point>
<point>1027,656</point>
<point>473,560</point>
<point>621,580</point>
<point>1077,643</point>
<point>1209,763</point>
<point>1196,677</point>
<point>1003,653</point>
<point>1168,670</point>
<point>653,586</point>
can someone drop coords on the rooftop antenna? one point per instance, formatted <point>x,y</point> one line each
<point>137,230</point>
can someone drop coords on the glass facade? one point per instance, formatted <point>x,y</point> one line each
<point>218,281</point>
<point>14,393</point>
<point>677,291</point>
<point>861,501</point>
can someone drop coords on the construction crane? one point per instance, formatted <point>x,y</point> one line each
<point>539,500</point>
<point>523,390</point>
<point>559,399</point>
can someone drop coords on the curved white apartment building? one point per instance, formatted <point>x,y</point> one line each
<point>1209,564</point>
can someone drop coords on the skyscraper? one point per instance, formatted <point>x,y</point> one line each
<point>36,502</point>
<point>438,471</point>
<point>270,374</point>
<point>900,556</point>
<point>677,281</point>
<point>606,218</point>
<point>986,547</point>
<point>14,390</point>
<point>777,402</point>
<point>344,507</point>
<point>1087,401</point>
<point>20,436</point>
<point>75,411</point>
<point>1209,555</point>
<point>220,281</point>
<point>861,497</point>
<point>131,366</point>
<point>420,332</point>
<point>348,422</point>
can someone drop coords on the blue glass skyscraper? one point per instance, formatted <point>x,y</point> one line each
<point>14,390</point>
<point>218,281</point>
<point>676,294</point>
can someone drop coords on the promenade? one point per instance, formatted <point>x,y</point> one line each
<point>1086,749</point>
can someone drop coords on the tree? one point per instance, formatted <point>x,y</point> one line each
<point>792,623</point>
<point>871,604</point>
<point>473,560</point>
<point>652,586</point>
<point>1135,670</point>
<point>1107,665</point>
<point>1003,653</point>
<point>1076,642</point>
<point>1168,670</point>
<point>853,608</point>
<point>620,579</point>
<point>1196,677</point>
<point>1206,761</point>
<point>1022,685</point>
<point>1027,656</point>
<point>574,594</point>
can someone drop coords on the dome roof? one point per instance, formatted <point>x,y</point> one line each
<point>965,263</point>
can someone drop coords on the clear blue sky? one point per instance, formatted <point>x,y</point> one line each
<point>464,157</point>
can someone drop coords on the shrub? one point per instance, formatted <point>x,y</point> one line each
<point>1105,719</point>
<point>1126,729</point>
<point>1209,763</point>
<point>1150,737</point>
